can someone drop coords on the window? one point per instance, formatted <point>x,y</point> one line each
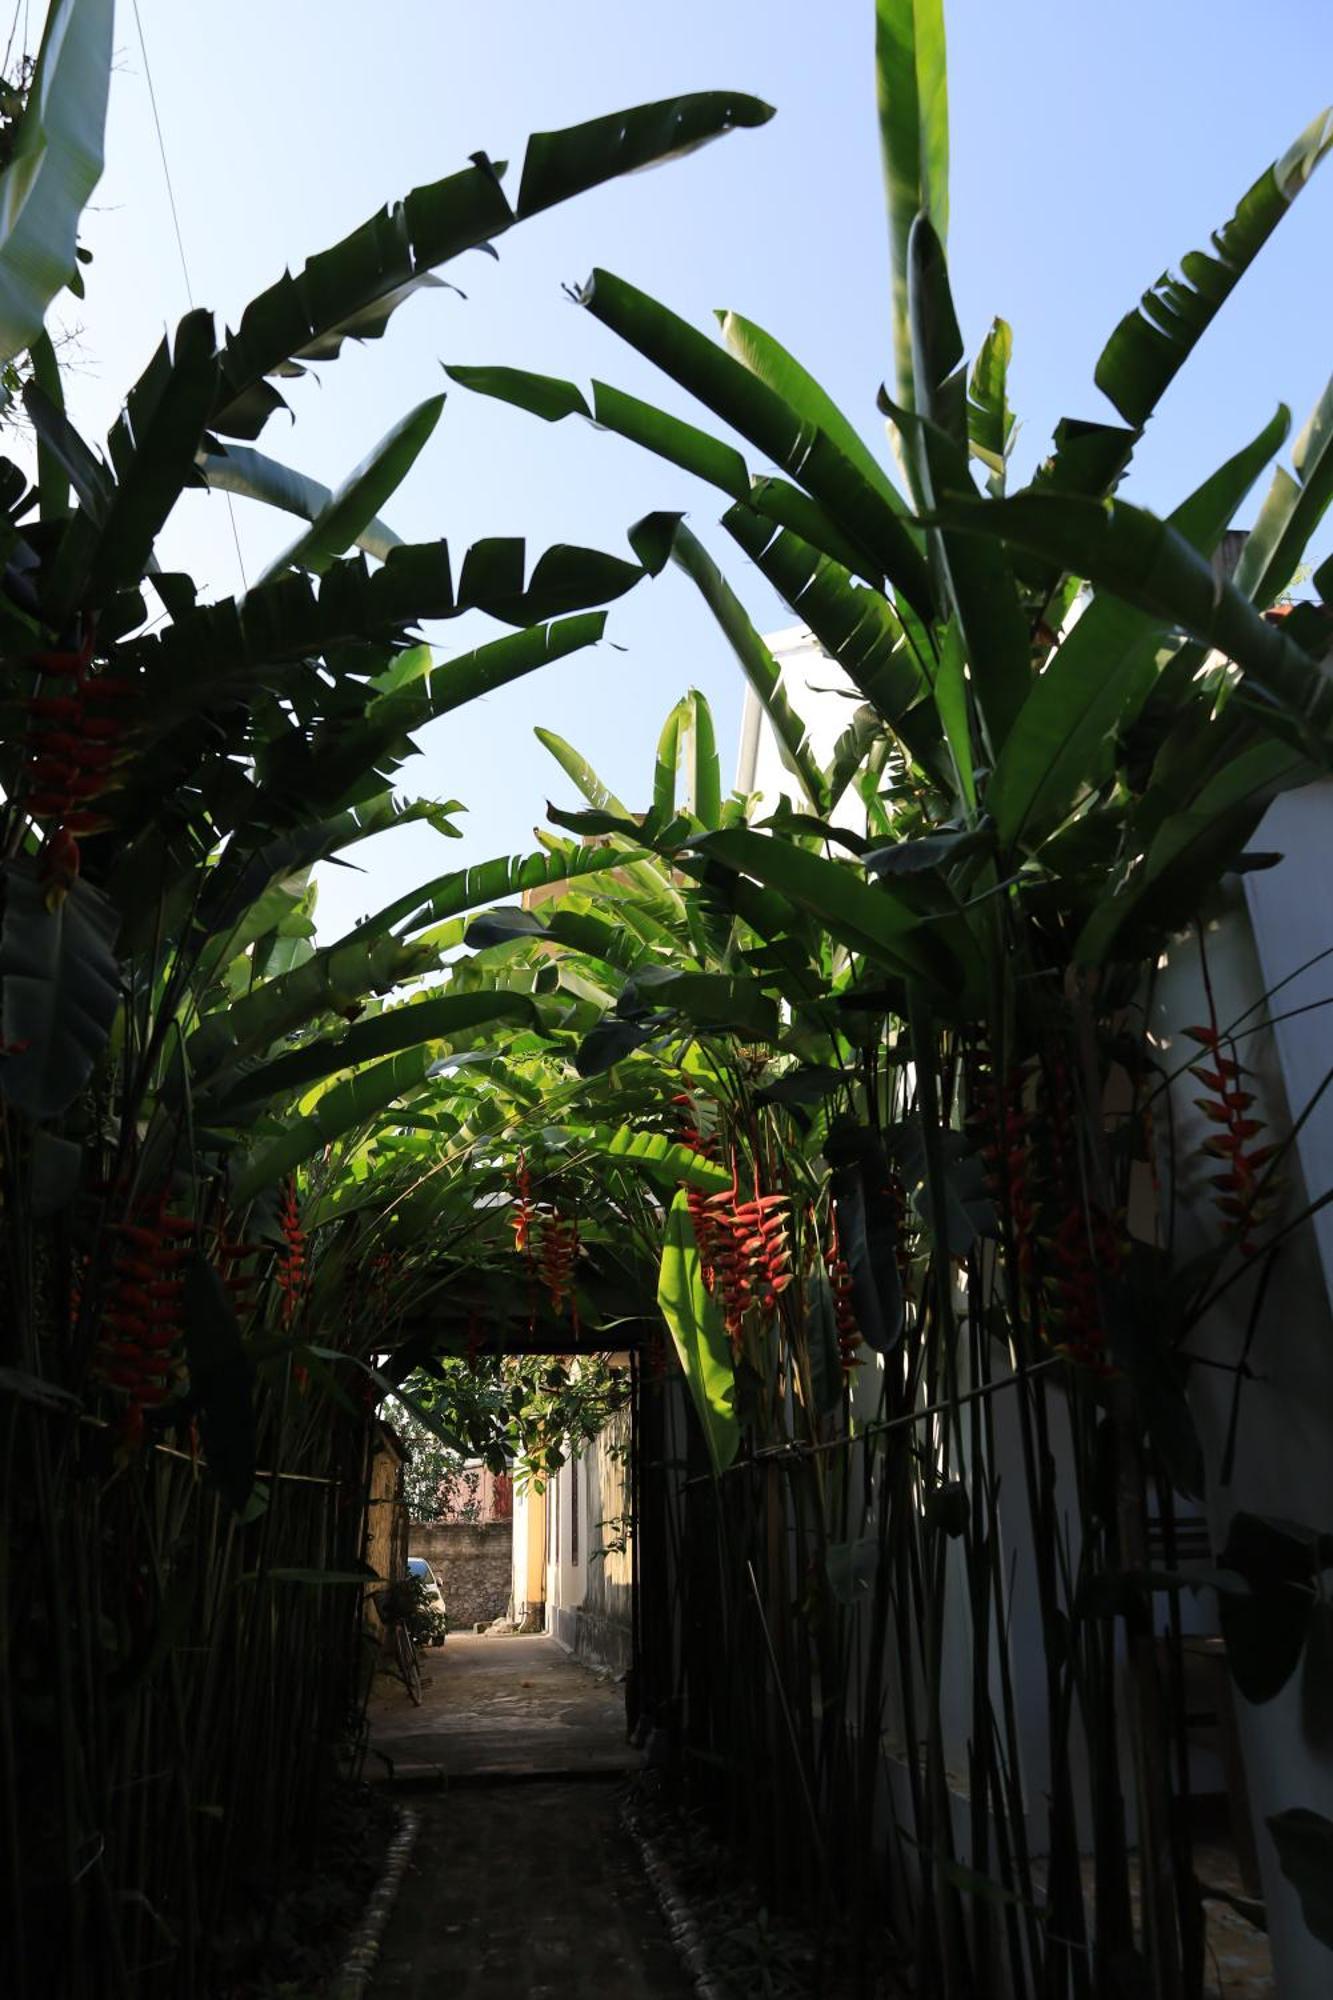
<point>575,1480</point>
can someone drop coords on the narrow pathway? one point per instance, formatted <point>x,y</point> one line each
<point>527,1892</point>
<point>499,1708</point>
<point>523,1885</point>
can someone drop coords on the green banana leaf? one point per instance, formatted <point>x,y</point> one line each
<point>1153,342</point>
<point>60,986</point>
<point>339,976</point>
<point>55,164</point>
<point>433,1019</point>
<point>756,662</point>
<point>342,1109</point>
<point>648,1152</point>
<point>863,918</point>
<point>341,523</point>
<point>990,421</point>
<point>912,89</point>
<point>1147,563</point>
<point>695,1322</point>
<point>1102,669</point>
<point>152,448</point>
<point>237,468</point>
<point>769,360</point>
<point>1295,505</point>
<point>728,388</point>
<point>350,291</point>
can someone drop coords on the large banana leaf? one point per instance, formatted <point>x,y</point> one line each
<point>550,398</point>
<point>351,290</point>
<point>434,1019</point>
<point>1190,850</point>
<point>215,653</point>
<point>914,138</point>
<point>344,518</point>
<point>865,919</point>
<point>1147,563</point>
<point>342,753</point>
<point>152,449</point>
<point>769,360</point>
<point>490,882</point>
<point>342,1109</point>
<point>688,733</point>
<point>650,1153</point>
<point>1153,342</point>
<point>756,662</point>
<point>1102,669</point>
<point>60,987</point>
<point>806,453</point>
<point>55,164</point>
<point>560,165</point>
<point>238,468</point>
<point>990,421</point>
<point>340,976</point>
<point>854,623</point>
<point>695,1321</point>
<point>1293,509</point>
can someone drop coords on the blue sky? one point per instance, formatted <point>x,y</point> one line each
<point>1092,146</point>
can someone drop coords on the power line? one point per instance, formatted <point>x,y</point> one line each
<point>180,245</point>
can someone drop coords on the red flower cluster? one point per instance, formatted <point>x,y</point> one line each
<point>1082,1248</point>
<point>1006,1153</point>
<point>291,1255</point>
<point>74,746</point>
<point>1065,1251</point>
<point>752,1254</point>
<point>242,1286</point>
<point>141,1323</point>
<point>1227,1104</point>
<point>705,1228</point>
<point>840,1278</point>
<point>521,1219</point>
<point>556,1256</point>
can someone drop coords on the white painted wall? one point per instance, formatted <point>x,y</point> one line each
<point>1262,935</point>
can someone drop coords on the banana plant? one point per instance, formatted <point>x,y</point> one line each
<point>187,1074</point>
<point>1072,716</point>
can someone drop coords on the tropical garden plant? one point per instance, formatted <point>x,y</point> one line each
<point>902,1026</point>
<point>868,1076</point>
<point>190,1084</point>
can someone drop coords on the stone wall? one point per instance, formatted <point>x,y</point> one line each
<point>471,1560</point>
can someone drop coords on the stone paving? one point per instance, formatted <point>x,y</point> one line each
<point>522,1885</point>
<point>498,1708</point>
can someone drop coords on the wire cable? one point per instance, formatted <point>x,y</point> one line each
<point>180,244</point>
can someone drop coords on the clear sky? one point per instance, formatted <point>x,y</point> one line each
<point>1092,146</point>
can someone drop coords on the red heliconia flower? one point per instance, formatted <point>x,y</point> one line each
<point>291,1254</point>
<point>520,1220</point>
<point>751,1253</point>
<point>138,1350</point>
<point>556,1256</point>
<point>840,1278</point>
<point>1244,1198</point>
<point>73,750</point>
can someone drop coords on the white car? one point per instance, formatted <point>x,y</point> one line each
<point>418,1567</point>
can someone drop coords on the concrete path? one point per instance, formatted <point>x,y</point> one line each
<point>498,1708</point>
<point>516,1890</point>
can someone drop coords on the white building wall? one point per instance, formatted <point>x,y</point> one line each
<point>1279,930</point>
